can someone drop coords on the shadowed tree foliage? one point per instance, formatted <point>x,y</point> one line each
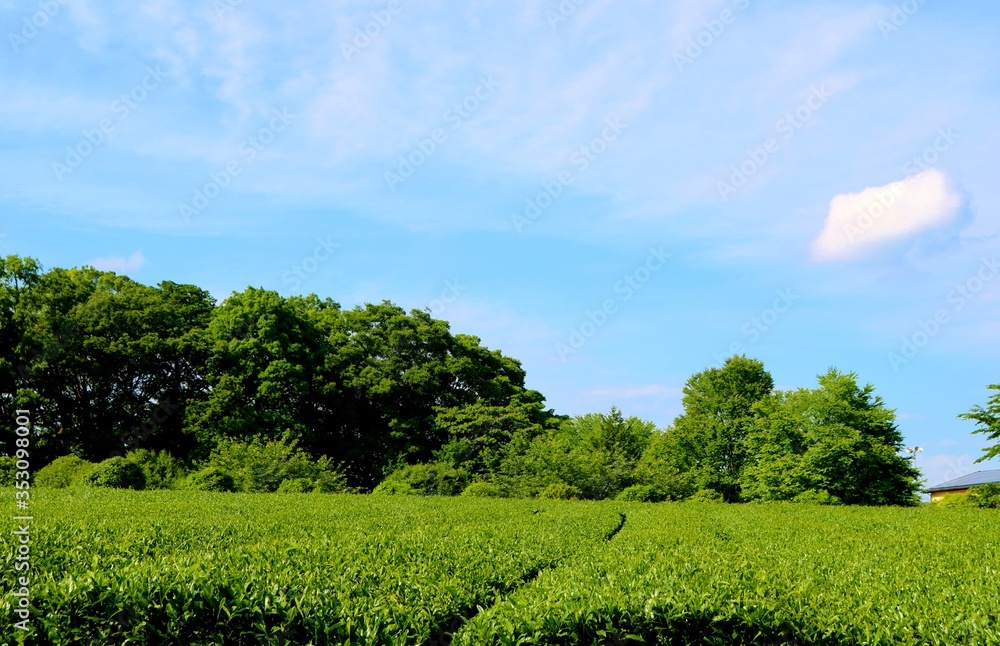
<point>105,363</point>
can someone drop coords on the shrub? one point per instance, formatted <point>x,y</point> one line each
<point>817,497</point>
<point>210,479</point>
<point>116,473</point>
<point>7,463</point>
<point>67,471</point>
<point>560,491</point>
<point>642,493</point>
<point>332,481</point>
<point>985,495</point>
<point>483,490</point>
<point>706,495</point>
<point>259,466</point>
<point>296,485</point>
<point>394,488</point>
<point>162,470</point>
<point>433,479</point>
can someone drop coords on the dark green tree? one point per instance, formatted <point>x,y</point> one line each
<point>17,277</point>
<point>264,371</point>
<point>395,371</point>
<point>107,363</point>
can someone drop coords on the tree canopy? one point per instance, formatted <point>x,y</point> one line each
<point>176,382</point>
<point>839,439</point>
<point>988,422</point>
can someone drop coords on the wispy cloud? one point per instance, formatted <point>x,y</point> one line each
<point>119,264</point>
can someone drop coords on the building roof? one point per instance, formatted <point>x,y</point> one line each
<point>977,478</point>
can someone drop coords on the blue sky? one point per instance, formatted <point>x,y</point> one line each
<point>619,196</point>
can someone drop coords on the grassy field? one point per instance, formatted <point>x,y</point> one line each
<point>113,567</point>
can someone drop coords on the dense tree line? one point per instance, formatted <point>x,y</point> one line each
<point>377,396</point>
<point>108,366</point>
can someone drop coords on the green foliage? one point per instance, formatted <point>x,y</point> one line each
<point>710,436</point>
<point>210,479</point>
<point>817,497</point>
<point>395,488</point>
<point>560,491</point>
<point>296,485</point>
<point>840,438</point>
<point>483,490</point>
<point>706,495</point>
<point>954,500</point>
<point>434,479</point>
<point>986,496</point>
<point>67,471</point>
<point>330,480</point>
<point>260,466</point>
<point>116,473</point>
<point>988,422</point>
<point>661,467</point>
<point>7,463</point>
<point>643,493</point>
<point>161,470</point>
<point>595,453</point>
<point>108,366</point>
<point>481,436</point>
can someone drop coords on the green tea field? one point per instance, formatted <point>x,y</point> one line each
<point>172,567</point>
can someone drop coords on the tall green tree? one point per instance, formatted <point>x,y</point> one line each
<point>839,438</point>
<point>709,436</point>
<point>264,371</point>
<point>108,363</point>
<point>988,421</point>
<point>395,371</point>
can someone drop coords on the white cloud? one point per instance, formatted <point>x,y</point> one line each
<point>857,222</point>
<point>119,264</point>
